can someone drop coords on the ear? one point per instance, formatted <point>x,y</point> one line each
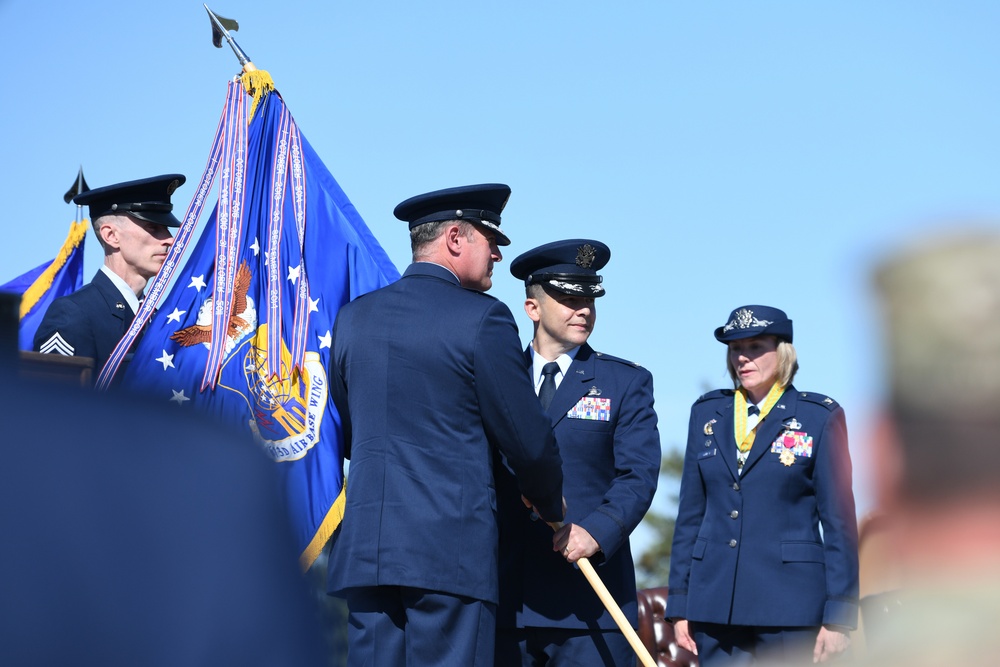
<point>110,234</point>
<point>454,238</point>
<point>533,309</point>
<point>887,462</point>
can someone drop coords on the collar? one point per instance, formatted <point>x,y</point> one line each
<point>564,360</point>
<point>424,268</point>
<point>130,297</point>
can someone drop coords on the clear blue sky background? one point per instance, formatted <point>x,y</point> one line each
<point>728,152</point>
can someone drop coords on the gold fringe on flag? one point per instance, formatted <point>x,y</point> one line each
<point>257,83</point>
<point>42,284</point>
<point>325,530</point>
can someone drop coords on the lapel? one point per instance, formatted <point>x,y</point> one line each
<point>725,436</point>
<point>576,384</point>
<point>772,425</point>
<point>116,303</point>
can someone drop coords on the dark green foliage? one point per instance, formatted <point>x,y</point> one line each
<point>653,565</point>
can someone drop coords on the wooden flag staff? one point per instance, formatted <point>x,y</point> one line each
<point>609,603</point>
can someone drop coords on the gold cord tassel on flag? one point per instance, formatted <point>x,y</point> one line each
<point>77,232</point>
<point>257,83</point>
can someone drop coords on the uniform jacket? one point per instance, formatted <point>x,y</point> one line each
<point>91,321</point>
<point>429,380</point>
<point>610,469</point>
<point>747,548</point>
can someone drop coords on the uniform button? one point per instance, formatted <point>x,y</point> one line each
<point>734,514</point>
<point>736,486</point>
<point>732,543</point>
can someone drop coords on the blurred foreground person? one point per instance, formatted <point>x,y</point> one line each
<point>937,453</point>
<point>138,534</point>
<point>752,580</point>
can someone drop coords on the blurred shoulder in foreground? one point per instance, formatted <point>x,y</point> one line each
<point>141,534</point>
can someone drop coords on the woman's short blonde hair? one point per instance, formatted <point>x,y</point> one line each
<point>788,363</point>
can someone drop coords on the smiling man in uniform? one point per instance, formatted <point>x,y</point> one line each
<point>601,409</point>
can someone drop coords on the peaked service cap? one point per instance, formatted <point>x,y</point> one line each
<point>478,204</point>
<point>750,321</point>
<point>147,199</point>
<point>568,266</point>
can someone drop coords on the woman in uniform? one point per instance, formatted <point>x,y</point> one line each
<point>752,578</point>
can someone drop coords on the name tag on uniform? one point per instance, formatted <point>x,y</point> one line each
<point>593,408</point>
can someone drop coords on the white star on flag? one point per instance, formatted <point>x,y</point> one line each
<point>176,315</point>
<point>313,305</point>
<point>293,273</point>
<point>255,247</point>
<point>179,397</point>
<point>325,340</point>
<point>198,282</point>
<point>167,360</point>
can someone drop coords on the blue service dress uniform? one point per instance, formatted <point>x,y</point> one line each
<point>603,418</point>
<point>429,380</point>
<point>747,548</point>
<point>86,323</point>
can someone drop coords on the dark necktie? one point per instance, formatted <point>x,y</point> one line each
<point>548,388</point>
<point>753,410</point>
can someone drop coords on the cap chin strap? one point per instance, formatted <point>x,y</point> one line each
<point>150,206</point>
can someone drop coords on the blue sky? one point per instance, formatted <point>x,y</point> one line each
<point>728,153</point>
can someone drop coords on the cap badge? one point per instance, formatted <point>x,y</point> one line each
<point>585,256</point>
<point>173,185</point>
<point>744,319</point>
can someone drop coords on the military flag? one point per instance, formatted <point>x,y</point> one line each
<point>245,329</point>
<point>47,282</point>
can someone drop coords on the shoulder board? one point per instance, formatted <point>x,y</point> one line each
<point>478,293</point>
<point>715,393</point>
<point>820,399</point>
<point>610,357</point>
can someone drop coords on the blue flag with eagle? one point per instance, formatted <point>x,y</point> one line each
<point>244,331</point>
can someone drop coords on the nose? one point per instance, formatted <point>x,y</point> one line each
<point>495,252</point>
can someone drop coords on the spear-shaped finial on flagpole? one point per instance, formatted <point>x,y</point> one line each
<point>78,188</point>
<point>257,83</point>
<point>220,29</point>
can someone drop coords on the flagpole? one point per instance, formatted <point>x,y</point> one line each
<point>609,603</point>
<point>257,83</point>
<point>219,30</point>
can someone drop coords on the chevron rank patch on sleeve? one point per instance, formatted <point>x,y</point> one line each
<point>56,344</point>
